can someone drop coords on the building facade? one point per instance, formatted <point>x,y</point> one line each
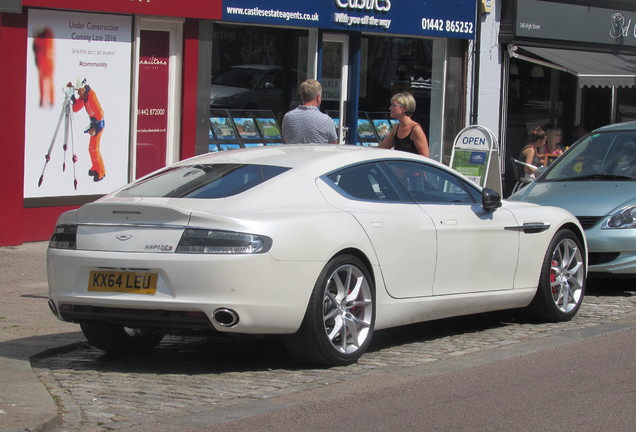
<point>162,77</point>
<point>140,61</point>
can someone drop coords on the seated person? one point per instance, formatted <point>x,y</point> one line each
<point>529,154</point>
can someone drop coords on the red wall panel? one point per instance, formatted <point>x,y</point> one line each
<point>13,40</point>
<point>38,223</point>
<point>202,9</point>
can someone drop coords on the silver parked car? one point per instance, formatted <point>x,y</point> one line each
<point>596,181</point>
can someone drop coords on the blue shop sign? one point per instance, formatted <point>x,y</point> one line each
<point>439,18</point>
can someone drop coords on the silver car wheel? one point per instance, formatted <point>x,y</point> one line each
<point>347,309</point>
<point>340,317</point>
<point>562,279</point>
<point>567,275</point>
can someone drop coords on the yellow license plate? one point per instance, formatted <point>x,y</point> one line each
<point>123,282</point>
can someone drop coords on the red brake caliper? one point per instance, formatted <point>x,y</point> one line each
<point>553,275</point>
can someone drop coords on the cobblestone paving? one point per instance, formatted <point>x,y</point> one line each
<point>189,375</point>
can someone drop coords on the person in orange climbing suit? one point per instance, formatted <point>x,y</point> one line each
<point>88,99</point>
<point>44,51</point>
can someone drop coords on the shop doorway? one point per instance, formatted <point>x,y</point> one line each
<point>334,72</point>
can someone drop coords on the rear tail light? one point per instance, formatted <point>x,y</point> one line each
<point>202,241</point>
<point>64,237</point>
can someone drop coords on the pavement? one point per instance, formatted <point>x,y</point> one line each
<point>27,329</point>
<point>43,374</point>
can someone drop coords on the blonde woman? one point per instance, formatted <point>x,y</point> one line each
<point>553,145</point>
<point>407,135</point>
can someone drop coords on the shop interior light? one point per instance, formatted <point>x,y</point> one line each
<point>514,69</point>
<point>537,72</point>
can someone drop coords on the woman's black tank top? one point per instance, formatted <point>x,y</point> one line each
<point>404,144</point>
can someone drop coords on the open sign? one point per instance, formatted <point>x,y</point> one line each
<point>474,138</point>
<point>475,154</point>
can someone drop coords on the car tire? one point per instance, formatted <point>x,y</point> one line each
<point>117,339</point>
<point>562,281</point>
<point>340,317</point>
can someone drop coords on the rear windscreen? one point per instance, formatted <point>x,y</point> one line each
<point>202,181</point>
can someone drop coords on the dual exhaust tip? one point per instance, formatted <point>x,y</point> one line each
<point>226,317</point>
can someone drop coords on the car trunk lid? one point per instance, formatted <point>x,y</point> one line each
<point>131,227</point>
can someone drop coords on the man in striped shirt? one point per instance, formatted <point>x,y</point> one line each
<point>306,123</point>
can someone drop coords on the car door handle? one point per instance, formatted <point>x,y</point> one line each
<point>449,222</point>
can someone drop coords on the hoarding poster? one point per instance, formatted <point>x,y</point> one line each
<point>77,103</point>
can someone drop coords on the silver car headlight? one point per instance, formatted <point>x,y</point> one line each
<point>64,237</point>
<point>202,241</point>
<point>625,218</point>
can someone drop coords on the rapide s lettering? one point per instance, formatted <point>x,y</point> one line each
<point>376,5</point>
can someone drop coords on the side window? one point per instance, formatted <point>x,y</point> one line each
<point>366,182</point>
<point>426,183</point>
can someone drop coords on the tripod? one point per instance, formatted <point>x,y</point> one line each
<point>65,116</point>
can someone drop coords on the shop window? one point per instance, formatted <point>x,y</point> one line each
<point>597,106</point>
<point>541,96</point>
<point>392,65</point>
<point>626,104</point>
<point>455,95</point>
<point>257,68</point>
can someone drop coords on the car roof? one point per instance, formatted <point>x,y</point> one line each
<point>617,127</point>
<point>324,156</point>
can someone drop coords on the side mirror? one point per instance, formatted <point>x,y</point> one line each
<point>490,200</point>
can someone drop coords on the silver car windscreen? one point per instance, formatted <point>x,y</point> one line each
<point>602,156</point>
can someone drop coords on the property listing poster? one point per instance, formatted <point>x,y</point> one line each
<point>77,145</point>
<point>152,111</point>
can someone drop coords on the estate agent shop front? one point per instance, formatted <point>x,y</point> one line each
<point>168,80</point>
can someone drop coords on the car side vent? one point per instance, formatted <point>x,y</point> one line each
<point>588,222</point>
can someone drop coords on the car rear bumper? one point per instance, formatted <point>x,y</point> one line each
<point>267,296</point>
